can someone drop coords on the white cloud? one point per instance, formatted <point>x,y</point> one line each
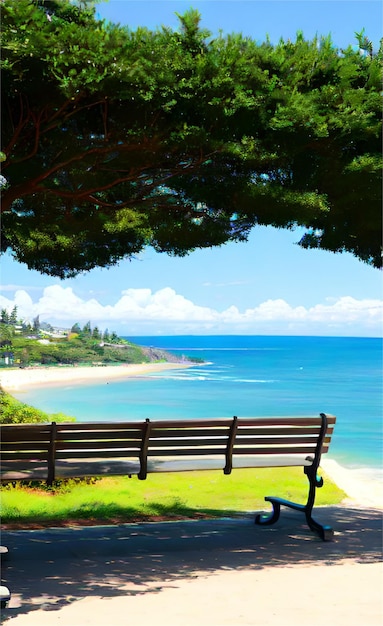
<point>141,311</point>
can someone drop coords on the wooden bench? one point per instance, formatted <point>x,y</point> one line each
<point>53,451</point>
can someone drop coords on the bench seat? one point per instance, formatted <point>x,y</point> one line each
<point>121,467</point>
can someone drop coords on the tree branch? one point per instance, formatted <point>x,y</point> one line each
<point>20,125</point>
<point>88,194</point>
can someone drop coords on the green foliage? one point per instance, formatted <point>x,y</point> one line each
<point>4,319</point>
<point>13,411</point>
<point>85,347</point>
<point>117,139</point>
<point>13,316</point>
<point>7,332</point>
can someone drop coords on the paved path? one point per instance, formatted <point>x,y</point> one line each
<point>207,572</point>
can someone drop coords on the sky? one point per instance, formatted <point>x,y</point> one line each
<point>266,286</point>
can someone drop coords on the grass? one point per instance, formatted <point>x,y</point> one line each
<point>164,496</point>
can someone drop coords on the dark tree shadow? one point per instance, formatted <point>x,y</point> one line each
<point>47,569</point>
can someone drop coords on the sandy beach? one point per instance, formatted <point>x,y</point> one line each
<point>19,379</point>
<point>361,486</point>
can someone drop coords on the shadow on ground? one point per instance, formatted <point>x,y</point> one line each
<point>48,569</point>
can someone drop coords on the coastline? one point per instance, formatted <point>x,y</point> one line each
<point>19,379</point>
<point>362,487</point>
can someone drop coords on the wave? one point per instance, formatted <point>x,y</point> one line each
<point>180,377</point>
<point>254,380</point>
<point>211,349</point>
<point>209,378</point>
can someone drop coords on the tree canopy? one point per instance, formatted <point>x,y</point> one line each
<point>117,139</point>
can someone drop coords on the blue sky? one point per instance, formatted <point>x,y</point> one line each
<point>265,286</point>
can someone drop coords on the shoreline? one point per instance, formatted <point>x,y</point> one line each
<point>358,484</point>
<point>362,486</point>
<point>20,379</point>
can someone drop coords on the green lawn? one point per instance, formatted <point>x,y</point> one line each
<point>187,494</point>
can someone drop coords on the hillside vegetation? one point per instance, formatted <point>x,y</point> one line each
<point>29,344</point>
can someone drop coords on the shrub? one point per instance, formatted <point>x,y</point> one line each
<point>13,411</point>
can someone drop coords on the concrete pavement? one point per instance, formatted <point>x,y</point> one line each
<point>216,572</point>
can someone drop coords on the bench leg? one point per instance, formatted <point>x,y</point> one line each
<point>266,520</point>
<point>325,532</point>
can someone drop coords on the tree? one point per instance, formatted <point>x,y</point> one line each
<point>6,333</point>
<point>113,337</point>
<point>4,319</point>
<point>87,330</point>
<point>76,329</point>
<point>115,140</point>
<point>13,316</point>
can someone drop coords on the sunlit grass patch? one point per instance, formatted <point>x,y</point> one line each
<point>185,494</point>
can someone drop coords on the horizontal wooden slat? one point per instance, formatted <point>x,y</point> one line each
<point>20,428</point>
<point>12,436</point>
<point>95,445</point>
<point>275,450</point>
<point>190,451</point>
<point>6,456</point>
<point>280,429</point>
<point>189,432</point>
<point>194,441</point>
<point>192,423</point>
<point>23,446</point>
<point>249,441</point>
<point>100,426</point>
<point>278,421</point>
<point>257,441</point>
<point>187,450</point>
<point>122,435</point>
<point>97,454</point>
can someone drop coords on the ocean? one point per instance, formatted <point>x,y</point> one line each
<point>248,376</point>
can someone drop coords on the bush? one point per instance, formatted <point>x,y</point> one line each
<point>14,411</point>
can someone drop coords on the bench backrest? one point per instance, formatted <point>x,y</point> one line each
<point>38,449</point>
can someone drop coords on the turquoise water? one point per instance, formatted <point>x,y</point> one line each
<point>248,376</point>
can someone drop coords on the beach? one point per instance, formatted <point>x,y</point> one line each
<point>362,487</point>
<point>19,379</point>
